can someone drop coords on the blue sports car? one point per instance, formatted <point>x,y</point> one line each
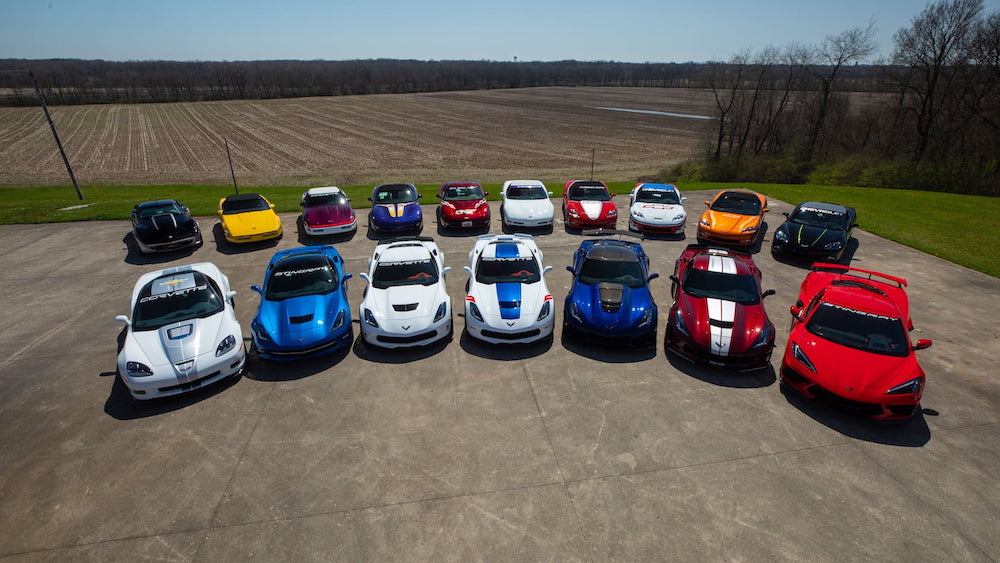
<point>610,302</point>
<point>395,209</point>
<point>303,308</point>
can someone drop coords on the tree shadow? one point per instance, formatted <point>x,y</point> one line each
<point>504,352</point>
<point>722,377</point>
<point>913,433</point>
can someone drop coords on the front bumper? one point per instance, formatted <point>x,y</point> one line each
<point>656,229</point>
<point>740,239</point>
<point>692,352</point>
<point>404,338</point>
<point>631,337</point>
<point>338,340</point>
<point>256,237</point>
<point>195,240</point>
<point>320,230</point>
<point>902,407</point>
<point>207,371</point>
<point>522,333</point>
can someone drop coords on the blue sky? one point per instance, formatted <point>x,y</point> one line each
<point>542,30</point>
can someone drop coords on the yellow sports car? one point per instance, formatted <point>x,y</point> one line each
<point>733,217</point>
<point>248,218</point>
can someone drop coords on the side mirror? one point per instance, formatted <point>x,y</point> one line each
<point>652,277</point>
<point>420,196</point>
<point>230,296</point>
<point>486,194</point>
<point>923,344</point>
<point>546,270</point>
<point>344,279</point>
<point>854,224</point>
<point>765,210</point>
<point>766,293</point>
<point>795,311</point>
<point>445,271</point>
<point>673,278</point>
<point>785,214</point>
<point>571,270</point>
<point>468,270</point>
<point>123,319</point>
<point>257,289</point>
<point>684,198</point>
<point>364,276</point>
<point>708,203</point>
<point>550,194</point>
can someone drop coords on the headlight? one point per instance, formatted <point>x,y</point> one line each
<point>613,213</point>
<point>573,212</point>
<point>638,214</point>
<point>227,344</point>
<point>680,217</point>
<point>339,321</point>
<point>136,369</point>
<point>799,355</point>
<point>260,332</point>
<point>474,311</point>
<point>546,309</point>
<point>574,312</point>
<point>835,245</point>
<point>679,323</point>
<point>370,318</point>
<point>908,388</point>
<point>647,317</point>
<point>441,312</point>
<point>780,236</point>
<point>749,229</point>
<point>704,223</point>
<point>764,338</point>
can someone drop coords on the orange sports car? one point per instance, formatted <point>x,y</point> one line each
<point>733,217</point>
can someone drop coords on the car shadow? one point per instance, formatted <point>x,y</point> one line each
<point>121,406</point>
<point>913,433</point>
<point>806,263</point>
<point>265,370</point>
<point>533,231</point>
<point>134,256</point>
<point>314,240</point>
<point>722,377</point>
<point>222,246</point>
<point>504,352</point>
<point>406,355</point>
<point>607,354</point>
<point>443,231</point>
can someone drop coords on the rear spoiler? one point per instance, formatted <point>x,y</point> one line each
<point>717,249</point>
<point>612,232</point>
<point>856,272</point>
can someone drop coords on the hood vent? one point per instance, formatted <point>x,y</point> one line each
<point>300,320</point>
<point>405,307</point>
<point>611,296</point>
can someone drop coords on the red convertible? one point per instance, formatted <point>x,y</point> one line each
<point>850,344</point>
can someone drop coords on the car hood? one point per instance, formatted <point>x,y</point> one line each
<point>807,236</point>
<point>721,222</point>
<point>165,227</point>
<point>528,208</point>
<point>251,222</point>
<point>178,343</point>
<point>852,373</point>
<point>396,212</point>
<point>723,327</point>
<point>509,301</point>
<point>464,203</point>
<point>634,302</point>
<point>292,322</point>
<point>405,301</point>
<point>592,209</point>
<point>328,214</point>
<point>658,212</point>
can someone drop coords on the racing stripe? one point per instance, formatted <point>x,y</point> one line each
<point>509,298</point>
<point>722,264</point>
<point>506,250</point>
<point>721,311</point>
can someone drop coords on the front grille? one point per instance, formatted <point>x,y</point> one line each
<point>189,385</point>
<point>789,373</point>
<point>902,410</point>
<point>406,339</point>
<point>289,353</point>
<point>511,335</point>
<point>836,401</point>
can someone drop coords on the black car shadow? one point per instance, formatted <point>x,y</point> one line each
<point>405,355</point>
<point>372,234</point>
<point>806,263</point>
<point>447,232</point>
<point>313,240</point>
<point>504,352</point>
<point>121,406</point>
<point>723,377</point>
<point>913,433</point>
<point>135,256</point>
<point>533,231</point>
<point>607,354</point>
<point>265,370</point>
<point>225,247</point>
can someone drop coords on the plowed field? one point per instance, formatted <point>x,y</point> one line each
<point>489,135</point>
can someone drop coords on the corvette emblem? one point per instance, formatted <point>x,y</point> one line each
<point>510,324</point>
<point>407,327</point>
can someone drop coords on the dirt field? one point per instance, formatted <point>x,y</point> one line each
<point>490,136</point>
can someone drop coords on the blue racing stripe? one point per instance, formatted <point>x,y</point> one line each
<point>509,298</point>
<point>506,250</point>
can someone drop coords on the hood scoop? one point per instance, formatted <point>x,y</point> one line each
<point>405,307</point>
<point>611,296</point>
<point>300,320</point>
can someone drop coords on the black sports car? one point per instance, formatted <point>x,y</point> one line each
<point>817,231</point>
<point>162,225</point>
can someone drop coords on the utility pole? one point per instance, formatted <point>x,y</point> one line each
<point>45,108</point>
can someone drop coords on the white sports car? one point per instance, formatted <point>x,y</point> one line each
<point>508,301</point>
<point>656,209</point>
<point>525,204</point>
<point>183,333</point>
<point>405,302</point>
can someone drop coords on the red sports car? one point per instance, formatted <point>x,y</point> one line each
<point>587,205</point>
<point>463,205</point>
<point>718,313</point>
<point>849,344</point>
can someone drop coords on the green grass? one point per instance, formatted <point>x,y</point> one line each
<point>963,229</point>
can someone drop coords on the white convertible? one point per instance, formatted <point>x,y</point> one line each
<point>525,204</point>
<point>183,333</point>
<point>508,301</point>
<point>405,302</point>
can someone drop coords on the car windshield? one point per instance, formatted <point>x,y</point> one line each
<point>857,329</point>
<point>668,197</point>
<point>719,285</point>
<point>737,202</point>
<point>589,193</point>
<point>148,211</point>
<point>463,193</point>
<point>822,218</point>
<point>526,192</point>
<point>629,273</point>
<point>301,275</point>
<point>174,298</point>
<point>237,204</point>
<point>396,194</point>
<point>320,200</point>
<point>410,272</point>
<point>503,270</point>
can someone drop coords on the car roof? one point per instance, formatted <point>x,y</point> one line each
<point>244,197</point>
<point>613,251</point>
<point>401,252</point>
<point>652,186</point>
<point>325,190</point>
<point>157,203</point>
<point>507,246</point>
<point>394,186</point>
<point>824,206</point>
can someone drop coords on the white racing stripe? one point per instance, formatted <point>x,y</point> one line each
<point>722,264</point>
<point>724,311</point>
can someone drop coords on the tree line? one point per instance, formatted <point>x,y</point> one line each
<point>931,120</point>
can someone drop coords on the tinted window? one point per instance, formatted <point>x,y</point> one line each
<point>230,206</point>
<point>857,329</point>
<point>717,285</point>
<point>526,192</point>
<point>396,194</point>
<point>736,202</point>
<point>325,199</point>
<point>821,218</point>
<point>147,211</point>
<point>501,270</point>
<point>657,196</point>
<point>388,274</point>
<point>612,271</point>
<point>301,275</point>
<point>589,193</point>
<point>175,298</point>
